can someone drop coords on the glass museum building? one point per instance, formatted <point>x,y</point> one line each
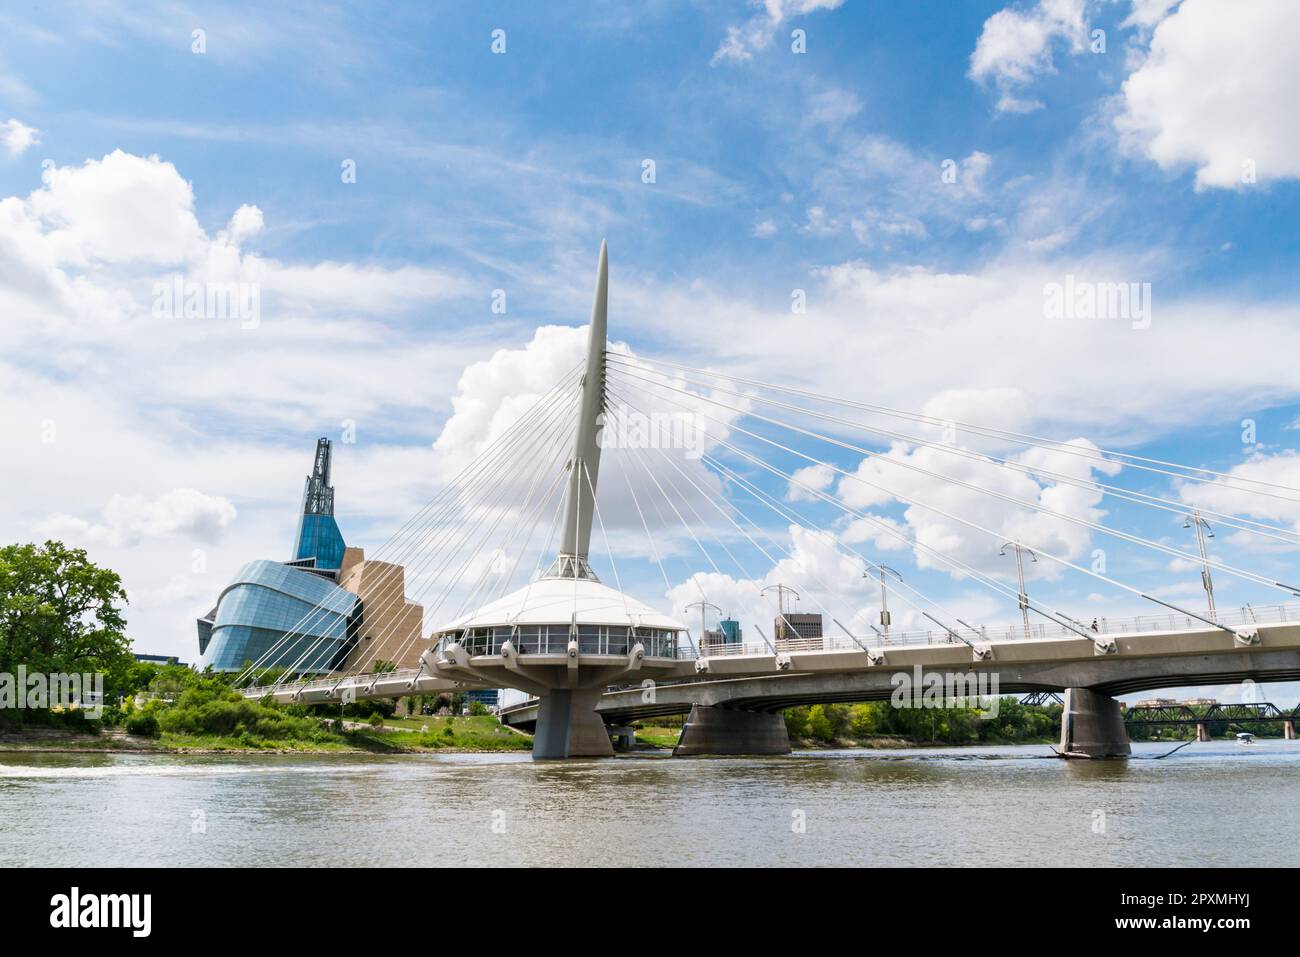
<point>294,614</point>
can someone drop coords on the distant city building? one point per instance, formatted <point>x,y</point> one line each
<point>790,625</point>
<point>322,610</point>
<point>1155,703</point>
<point>159,660</point>
<point>487,697</point>
<point>726,634</point>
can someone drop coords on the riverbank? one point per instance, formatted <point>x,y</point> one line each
<point>666,737</point>
<point>894,743</point>
<point>469,735</point>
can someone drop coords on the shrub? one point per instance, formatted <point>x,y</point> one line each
<point>144,724</point>
<point>213,709</point>
<point>364,709</point>
<point>376,720</point>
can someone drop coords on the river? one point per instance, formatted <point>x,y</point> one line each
<point>1216,803</point>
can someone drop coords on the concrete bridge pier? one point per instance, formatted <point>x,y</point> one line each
<point>1288,730</point>
<point>1202,732</point>
<point>723,731</point>
<point>623,736</point>
<point>568,726</point>
<point>1092,726</point>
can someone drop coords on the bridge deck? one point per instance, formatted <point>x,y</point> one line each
<point>1117,662</point>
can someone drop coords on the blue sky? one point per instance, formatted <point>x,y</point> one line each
<point>126,158</point>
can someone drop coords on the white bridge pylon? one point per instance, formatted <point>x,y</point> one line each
<point>567,635</point>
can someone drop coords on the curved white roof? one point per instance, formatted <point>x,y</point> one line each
<point>553,601</point>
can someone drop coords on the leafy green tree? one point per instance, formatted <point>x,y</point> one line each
<point>862,720</point>
<point>796,722</point>
<point>60,612</point>
<point>171,680</point>
<point>819,725</point>
<point>838,716</point>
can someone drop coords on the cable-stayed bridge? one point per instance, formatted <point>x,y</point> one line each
<point>698,452</point>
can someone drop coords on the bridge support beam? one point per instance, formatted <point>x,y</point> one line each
<point>1092,726</point>
<point>1202,732</point>
<point>721,731</point>
<point>1288,730</point>
<point>568,726</point>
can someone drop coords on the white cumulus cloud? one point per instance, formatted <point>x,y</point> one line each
<point>1016,47</point>
<point>129,519</point>
<point>1216,92</point>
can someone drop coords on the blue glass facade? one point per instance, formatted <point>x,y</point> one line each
<point>319,538</point>
<point>268,600</point>
<point>484,696</point>
<point>318,534</point>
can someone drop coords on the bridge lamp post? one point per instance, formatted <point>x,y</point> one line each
<point>1203,531</point>
<point>780,600</point>
<point>703,606</point>
<point>1020,576</point>
<point>884,598</point>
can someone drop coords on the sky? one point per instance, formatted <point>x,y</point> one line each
<point>870,201</point>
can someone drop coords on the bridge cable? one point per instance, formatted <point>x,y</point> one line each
<point>542,466</point>
<point>946,559</point>
<point>718,541</point>
<point>1036,441</point>
<point>1023,503</point>
<point>827,536</point>
<point>654,551</point>
<point>1262,529</point>
<point>542,463</point>
<point>513,438</point>
<point>480,463</point>
<point>437,541</point>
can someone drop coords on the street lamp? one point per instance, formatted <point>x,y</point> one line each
<point>1203,531</point>
<point>780,600</point>
<point>1020,576</point>
<point>884,597</point>
<point>703,606</point>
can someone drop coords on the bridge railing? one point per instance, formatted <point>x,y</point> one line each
<point>1041,631</point>
<point>1038,631</point>
<point>337,682</point>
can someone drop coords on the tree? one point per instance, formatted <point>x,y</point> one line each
<point>862,720</point>
<point>59,612</point>
<point>819,725</point>
<point>796,722</point>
